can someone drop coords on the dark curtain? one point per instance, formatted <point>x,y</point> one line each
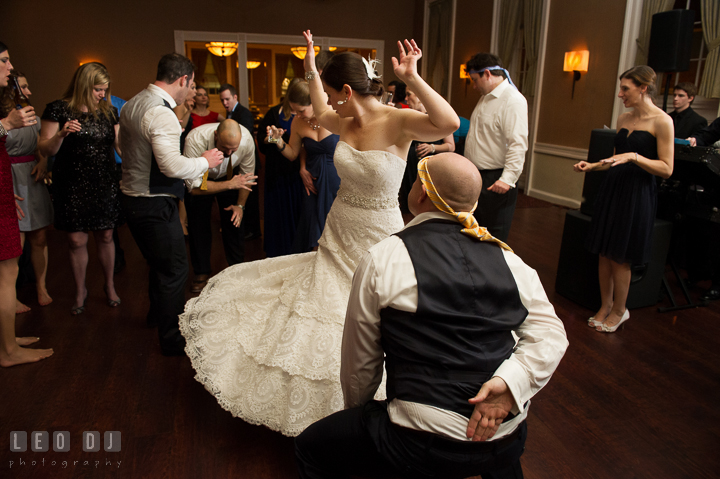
<point>233,75</point>
<point>199,58</point>
<point>438,48</point>
<point>220,66</point>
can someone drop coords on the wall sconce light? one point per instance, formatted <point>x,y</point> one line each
<point>463,72</point>
<point>576,62</point>
<point>222,49</point>
<point>252,64</point>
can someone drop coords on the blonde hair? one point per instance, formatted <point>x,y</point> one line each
<point>286,101</point>
<point>79,93</point>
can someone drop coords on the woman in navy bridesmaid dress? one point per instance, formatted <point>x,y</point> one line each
<point>621,228</point>
<point>315,146</point>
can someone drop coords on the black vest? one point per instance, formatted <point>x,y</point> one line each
<point>468,304</point>
<point>161,184</point>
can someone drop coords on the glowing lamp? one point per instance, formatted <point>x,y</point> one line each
<point>222,49</point>
<point>300,52</point>
<point>576,62</point>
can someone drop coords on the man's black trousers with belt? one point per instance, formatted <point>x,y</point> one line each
<point>363,442</point>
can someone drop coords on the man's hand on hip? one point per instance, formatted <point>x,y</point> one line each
<point>492,404</point>
<point>499,187</point>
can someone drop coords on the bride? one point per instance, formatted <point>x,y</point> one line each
<point>264,337</point>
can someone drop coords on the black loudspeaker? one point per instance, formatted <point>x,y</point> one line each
<point>577,273</point>
<point>602,145</point>
<point>671,41</point>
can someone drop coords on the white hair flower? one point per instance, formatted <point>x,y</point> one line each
<point>370,65</point>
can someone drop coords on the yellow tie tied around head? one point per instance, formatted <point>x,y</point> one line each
<point>464,217</point>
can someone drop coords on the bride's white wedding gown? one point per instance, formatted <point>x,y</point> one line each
<point>264,337</point>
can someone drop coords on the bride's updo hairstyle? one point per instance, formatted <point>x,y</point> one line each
<point>348,68</point>
<point>642,75</point>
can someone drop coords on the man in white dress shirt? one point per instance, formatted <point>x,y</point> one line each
<point>437,305</point>
<point>228,185</point>
<point>152,183</point>
<point>497,141</point>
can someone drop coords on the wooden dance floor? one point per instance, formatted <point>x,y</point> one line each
<point>641,403</point>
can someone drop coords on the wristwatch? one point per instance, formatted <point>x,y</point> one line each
<point>242,207</point>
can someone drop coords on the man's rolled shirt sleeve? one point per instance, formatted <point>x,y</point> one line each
<point>542,339</point>
<point>163,133</point>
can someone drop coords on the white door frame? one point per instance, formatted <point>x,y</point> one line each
<point>242,39</point>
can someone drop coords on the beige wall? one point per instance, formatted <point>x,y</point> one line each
<point>47,39</point>
<point>594,25</point>
<point>564,123</point>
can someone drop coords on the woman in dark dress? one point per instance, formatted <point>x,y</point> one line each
<point>317,169</point>
<point>12,351</point>
<point>81,131</point>
<point>621,229</point>
<point>283,186</point>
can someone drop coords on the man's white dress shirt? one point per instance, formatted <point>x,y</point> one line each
<point>385,278</point>
<point>498,134</point>
<point>202,138</point>
<point>159,134</point>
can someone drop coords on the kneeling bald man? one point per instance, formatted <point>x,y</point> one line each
<point>438,303</point>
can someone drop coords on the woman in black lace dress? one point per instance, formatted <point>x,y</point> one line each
<point>621,229</point>
<point>81,131</point>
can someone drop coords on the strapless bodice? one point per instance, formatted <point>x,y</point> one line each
<point>369,179</point>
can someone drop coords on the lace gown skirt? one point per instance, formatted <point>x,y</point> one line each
<point>265,337</point>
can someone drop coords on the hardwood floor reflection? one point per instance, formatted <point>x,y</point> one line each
<point>638,403</point>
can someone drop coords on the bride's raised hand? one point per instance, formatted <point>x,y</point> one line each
<point>310,54</point>
<point>406,65</point>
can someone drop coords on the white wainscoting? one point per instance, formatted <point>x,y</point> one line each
<point>553,178</point>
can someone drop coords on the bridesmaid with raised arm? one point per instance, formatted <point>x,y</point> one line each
<point>317,168</point>
<point>621,228</point>
<point>264,337</point>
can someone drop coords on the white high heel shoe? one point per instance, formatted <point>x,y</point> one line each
<point>611,329</point>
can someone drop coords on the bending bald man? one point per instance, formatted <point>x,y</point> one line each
<point>229,185</point>
<point>436,304</point>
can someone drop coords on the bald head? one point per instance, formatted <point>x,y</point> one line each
<point>456,180</point>
<point>228,136</point>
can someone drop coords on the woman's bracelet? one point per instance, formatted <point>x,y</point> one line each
<point>433,149</point>
<point>278,143</point>
<point>636,158</point>
<point>3,131</point>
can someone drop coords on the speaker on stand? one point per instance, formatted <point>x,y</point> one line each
<point>670,44</point>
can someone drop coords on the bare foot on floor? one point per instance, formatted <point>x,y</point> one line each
<point>26,341</point>
<point>25,355</point>
<point>21,308</point>
<point>44,298</point>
